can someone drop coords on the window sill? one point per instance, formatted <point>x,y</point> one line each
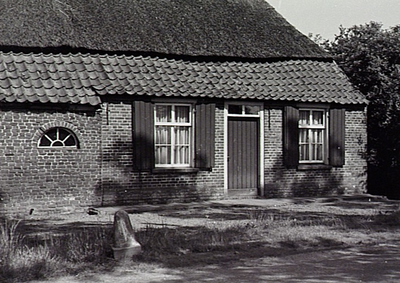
<point>308,167</point>
<point>175,170</point>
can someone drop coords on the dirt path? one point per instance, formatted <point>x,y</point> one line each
<point>364,264</point>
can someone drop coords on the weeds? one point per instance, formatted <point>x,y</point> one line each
<point>388,219</point>
<point>25,258</point>
<point>9,239</point>
<point>159,242</point>
<point>263,227</point>
<point>18,261</point>
<point>87,245</point>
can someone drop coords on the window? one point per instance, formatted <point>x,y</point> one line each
<point>238,109</point>
<point>312,136</point>
<point>177,136</point>
<point>58,138</point>
<point>173,135</point>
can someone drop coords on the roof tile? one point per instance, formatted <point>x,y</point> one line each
<point>71,78</point>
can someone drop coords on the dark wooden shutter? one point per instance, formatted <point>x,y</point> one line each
<point>336,137</point>
<point>204,135</point>
<point>143,135</point>
<point>291,136</point>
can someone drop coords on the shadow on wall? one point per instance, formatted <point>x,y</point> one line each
<point>304,183</point>
<point>117,173</point>
<point>128,179</point>
<point>119,155</point>
<point>333,180</point>
<point>2,201</point>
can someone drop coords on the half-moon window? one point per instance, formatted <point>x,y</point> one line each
<point>59,138</point>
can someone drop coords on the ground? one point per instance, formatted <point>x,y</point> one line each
<point>364,254</point>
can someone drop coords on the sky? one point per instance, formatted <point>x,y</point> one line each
<point>325,16</point>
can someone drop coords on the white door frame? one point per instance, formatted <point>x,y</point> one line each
<point>260,116</point>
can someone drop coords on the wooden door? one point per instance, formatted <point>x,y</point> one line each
<point>243,156</point>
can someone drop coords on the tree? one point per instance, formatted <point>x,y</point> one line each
<point>370,56</point>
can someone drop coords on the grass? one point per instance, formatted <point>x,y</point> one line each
<point>26,258</point>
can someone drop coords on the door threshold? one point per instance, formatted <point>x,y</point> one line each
<point>242,193</point>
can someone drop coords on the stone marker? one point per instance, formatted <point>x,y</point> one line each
<point>125,244</point>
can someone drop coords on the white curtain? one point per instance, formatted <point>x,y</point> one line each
<point>172,141</point>
<point>182,135</point>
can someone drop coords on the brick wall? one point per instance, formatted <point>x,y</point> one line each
<point>283,182</point>
<point>122,185</point>
<point>46,179</point>
<point>101,171</point>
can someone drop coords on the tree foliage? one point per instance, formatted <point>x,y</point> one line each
<point>370,56</point>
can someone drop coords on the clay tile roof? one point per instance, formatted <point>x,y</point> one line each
<point>66,79</point>
<point>43,78</point>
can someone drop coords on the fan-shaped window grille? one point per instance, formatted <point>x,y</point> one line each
<point>58,138</point>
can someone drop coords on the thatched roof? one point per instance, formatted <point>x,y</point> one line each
<point>221,28</point>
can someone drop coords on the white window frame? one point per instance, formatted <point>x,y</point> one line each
<point>310,127</point>
<point>243,109</point>
<point>172,125</point>
<point>57,142</point>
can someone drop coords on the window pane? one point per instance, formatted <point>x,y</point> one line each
<point>251,110</point>
<point>62,134</point>
<point>182,114</point>
<point>163,113</point>
<point>52,134</point>
<point>182,135</point>
<point>318,117</point>
<point>316,152</point>
<point>163,155</point>
<point>304,117</point>
<point>44,141</point>
<point>304,152</point>
<point>182,138</point>
<point>163,135</point>
<point>57,144</point>
<point>303,144</point>
<point>318,136</point>
<point>319,152</point>
<point>319,145</point>
<point>182,155</point>
<point>69,141</point>
<point>316,145</point>
<point>235,109</point>
<point>303,136</point>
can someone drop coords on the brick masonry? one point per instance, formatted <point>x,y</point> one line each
<point>45,179</point>
<point>101,171</point>
<point>122,185</point>
<point>282,182</point>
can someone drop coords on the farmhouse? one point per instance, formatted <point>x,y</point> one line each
<point>153,101</point>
